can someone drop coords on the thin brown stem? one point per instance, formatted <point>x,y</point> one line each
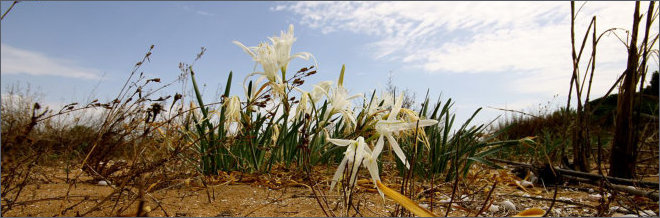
<point>486,202</point>
<point>9,9</point>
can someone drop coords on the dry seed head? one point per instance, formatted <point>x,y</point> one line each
<point>275,135</point>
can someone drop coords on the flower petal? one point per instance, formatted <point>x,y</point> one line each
<point>354,168</point>
<point>349,117</point>
<point>301,55</point>
<point>371,165</point>
<point>379,147</point>
<point>245,49</point>
<point>340,142</point>
<point>397,150</point>
<point>428,122</point>
<point>355,96</point>
<point>396,108</point>
<point>338,173</point>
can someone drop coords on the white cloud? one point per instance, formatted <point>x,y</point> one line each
<point>18,61</point>
<point>199,12</point>
<point>530,39</point>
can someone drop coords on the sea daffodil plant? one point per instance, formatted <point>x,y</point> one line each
<point>392,125</point>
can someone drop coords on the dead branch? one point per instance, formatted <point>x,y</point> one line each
<point>589,176</point>
<point>631,190</point>
<point>596,177</point>
<point>550,199</point>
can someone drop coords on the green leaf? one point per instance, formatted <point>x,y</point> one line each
<point>486,162</point>
<point>341,75</point>
<point>228,87</point>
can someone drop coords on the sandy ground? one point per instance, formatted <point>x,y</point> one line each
<point>45,197</point>
<point>187,199</point>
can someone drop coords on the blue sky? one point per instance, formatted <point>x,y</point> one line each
<point>497,54</point>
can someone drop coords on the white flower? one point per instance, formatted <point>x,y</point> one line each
<point>357,153</point>
<point>354,151</point>
<point>320,89</point>
<point>388,100</point>
<point>282,47</point>
<point>373,106</point>
<point>273,58</point>
<point>233,109</point>
<point>302,108</point>
<point>307,98</point>
<point>340,103</point>
<point>386,128</point>
<point>266,56</point>
<point>378,105</point>
<point>370,162</point>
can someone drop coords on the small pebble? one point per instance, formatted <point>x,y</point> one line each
<point>508,205</point>
<point>494,208</point>
<point>595,196</point>
<point>533,178</point>
<point>444,201</point>
<point>565,198</point>
<point>557,212</point>
<point>103,183</point>
<point>464,198</point>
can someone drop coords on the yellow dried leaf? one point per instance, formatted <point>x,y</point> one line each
<point>151,186</point>
<point>363,181</point>
<point>531,212</point>
<point>520,186</point>
<point>404,201</point>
